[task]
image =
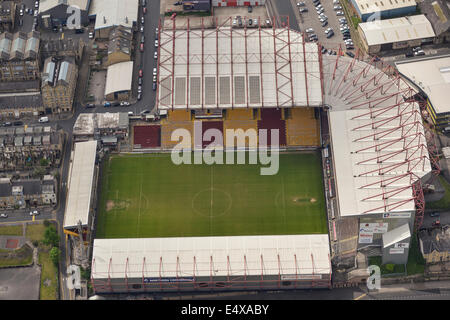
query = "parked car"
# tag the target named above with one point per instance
(154, 78)
(325, 23)
(350, 54)
(435, 214)
(7, 124)
(250, 9)
(18, 123)
(156, 43)
(268, 22)
(34, 213)
(155, 71)
(130, 113)
(140, 89)
(141, 47)
(139, 96)
(173, 16)
(339, 13)
(409, 54)
(91, 35)
(302, 10)
(141, 73)
(90, 105)
(21, 12)
(141, 29)
(79, 31)
(142, 20)
(107, 104)
(142, 39)
(144, 10)
(309, 30)
(337, 8)
(330, 34)
(300, 4)
(154, 86)
(155, 55)
(419, 53)
(124, 103)
(250, 22)
(146, 111)
(3, 215)
(43, 119)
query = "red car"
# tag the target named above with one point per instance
(144, 9)
(142, 47)
(141, 73)
(173, 16)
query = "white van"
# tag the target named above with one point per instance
(43, 119)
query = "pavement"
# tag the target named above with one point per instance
(20, 283)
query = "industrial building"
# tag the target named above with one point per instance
(19, 56)
(370, 10)
(431, 77)
(111, 13)
(197, 5)
(119, 78)
(99, 126)
(55, 13)
(120, 45)
(438, 13)
(61, 48)
(370, 131)
(397, 33)
(59, 82)
(435, 244)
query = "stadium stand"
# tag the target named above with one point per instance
(302, 128)
(240, 124)
(271, 119)
(239, 114)
(146, 136)
(179, 115)
(169, 127)
(211, 125)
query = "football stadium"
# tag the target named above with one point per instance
(352, 149)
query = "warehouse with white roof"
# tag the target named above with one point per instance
(119, 78)
(370, 10)
(397, 33)
(111, 13)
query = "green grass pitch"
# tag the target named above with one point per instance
(145, 196)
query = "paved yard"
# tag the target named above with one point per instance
(97, 86)
(19, 283)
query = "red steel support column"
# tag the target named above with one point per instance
(260, 66)
(160, 269)
(217, 62)
(290, 60)
(275, 61)
(173, 62)
(203, 67)
(187, 71)
(306, 72)
(158, 64)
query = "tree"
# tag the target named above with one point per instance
(51, 237)
(54, 255)
(44, 162)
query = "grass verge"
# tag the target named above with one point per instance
(49, 275)
(443, 203)
(11, 231)
(13, 258)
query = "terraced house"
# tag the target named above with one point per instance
(59, 81)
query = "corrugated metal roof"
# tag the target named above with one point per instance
(289, 255)
(369, 6)
(64, 71)
(397, 30)
(114, 13)
(80, 184)
(119, 77)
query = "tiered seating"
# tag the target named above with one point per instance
(240, 114)
(271, 119)
(240, 124)
(147, 136)
(303, 128)
(211, 125)
(169, 127)
(179, 115)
